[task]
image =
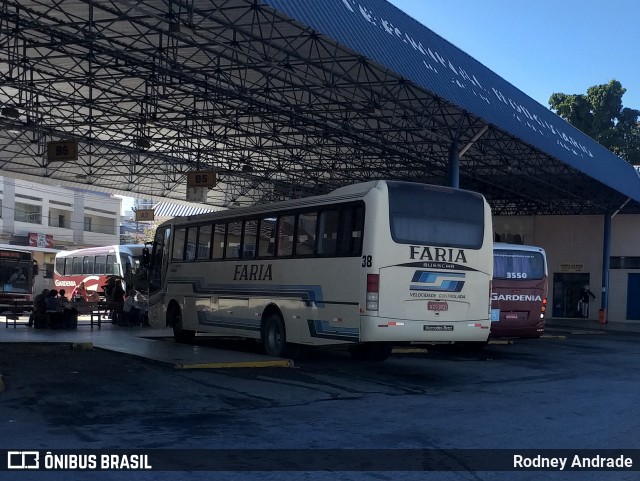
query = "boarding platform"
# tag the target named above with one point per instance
(153, 344)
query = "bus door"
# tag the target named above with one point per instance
(159, 258)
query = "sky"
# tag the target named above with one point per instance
(543, 46)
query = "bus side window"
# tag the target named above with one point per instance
(249, 236)
(87, 264)
(357, 230)
(286, 225)
(101, 265)
(76, 268)
(218, 241)
(327, 232)
(232, 245)
(60, 265)
(178, 244)
(112, 265)
(267, 237)
(204, 242)
(350, 230)
(306, 234)
(192, 234)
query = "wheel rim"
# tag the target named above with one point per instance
(274, 337)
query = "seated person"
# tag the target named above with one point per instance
(82, 294)
(69, 313)
(131, 311)
(54, 310)
(17, 276)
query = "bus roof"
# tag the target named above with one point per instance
(134, 249)
(516, 247)
(343, 194)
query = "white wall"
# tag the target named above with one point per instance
(578, 240)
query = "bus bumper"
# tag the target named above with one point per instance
(384, 329)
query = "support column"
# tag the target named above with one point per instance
(606, 261)
(8, 208)
(77, 219)
(454, 165)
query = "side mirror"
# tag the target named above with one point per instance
(146, 257)
(35, 268)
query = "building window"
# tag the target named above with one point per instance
(28, 213)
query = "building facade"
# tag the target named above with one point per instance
(574, 246)
(48, 218)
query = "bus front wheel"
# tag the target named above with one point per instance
(274, 336)
(181, 335)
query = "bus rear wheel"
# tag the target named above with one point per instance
(373, 351)
(181, 335)
(274, 337)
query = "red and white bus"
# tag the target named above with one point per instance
(17, 274)
(519, 290)
(94, 265)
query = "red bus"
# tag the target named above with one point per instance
(17, 274)
(519, 290)
(94, 265)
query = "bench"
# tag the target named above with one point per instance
(94, 309)
(13, 310)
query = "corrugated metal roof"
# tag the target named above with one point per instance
(166, 209)
(381, 32)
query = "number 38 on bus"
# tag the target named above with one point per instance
(368, 266)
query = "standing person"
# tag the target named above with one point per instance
(38, 317)
(585, 298)
(117, 302)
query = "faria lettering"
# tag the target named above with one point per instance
(439, 254)
(253, 272)
(515, 297)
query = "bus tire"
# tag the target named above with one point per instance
(274, 336)
(181, 335)
(373, 351)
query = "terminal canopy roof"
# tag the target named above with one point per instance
(282, 99)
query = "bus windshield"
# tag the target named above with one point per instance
(518, 264)
(16, 272)
(428, 215)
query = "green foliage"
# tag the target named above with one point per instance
(600, 115)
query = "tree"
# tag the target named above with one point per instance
(600, 115)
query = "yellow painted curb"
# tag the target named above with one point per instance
(409, 350)
(82, 346)
(222, 365)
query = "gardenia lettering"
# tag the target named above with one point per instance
(515, 297)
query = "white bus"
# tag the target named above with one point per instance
(93, 265)
(370, 265)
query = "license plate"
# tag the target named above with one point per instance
(437, 306)
(437, 328)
